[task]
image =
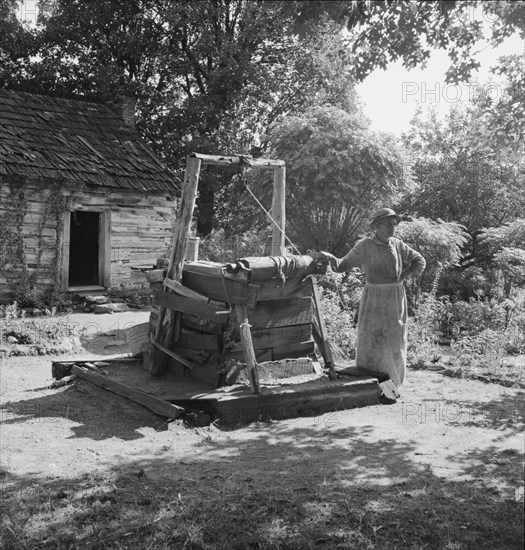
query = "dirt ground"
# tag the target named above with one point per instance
(450, 430)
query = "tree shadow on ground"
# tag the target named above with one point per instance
(98, 414)
(282, 485)
(505, 414)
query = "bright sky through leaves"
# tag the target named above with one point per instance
(390, 97)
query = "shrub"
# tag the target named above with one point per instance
(471, 282)
(339, 318)
(217, 247)
(348, 287)
(472, 317)
(423, 331)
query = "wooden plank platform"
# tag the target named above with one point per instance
(237, 405)
(240, 406)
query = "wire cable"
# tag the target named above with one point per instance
(271, 219)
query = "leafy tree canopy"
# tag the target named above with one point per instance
(209, 76)
(457, 178)
(337, 171)
(213, 75)
(381, 32)
(502, 110)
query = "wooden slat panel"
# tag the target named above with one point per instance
(201, 325)
(275, 289)
(200, 356)
(281, 313)
(193, 307)
(261, 355)
(171, 354)
(288, 351)
(198, 341)
(279, 336)
(181, 290)
(221, 289)
(302, 349)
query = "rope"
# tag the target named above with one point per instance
(226, 290)
(271, 219)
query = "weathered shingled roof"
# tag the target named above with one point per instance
(78, 142)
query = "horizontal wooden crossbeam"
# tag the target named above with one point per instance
(247, 160)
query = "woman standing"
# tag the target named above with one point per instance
(381, 326)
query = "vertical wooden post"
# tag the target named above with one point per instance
(247, 346)
(66, 241)
(104, 249)
(278, 211)
(323, 343)
(192, 249)
(168, 320)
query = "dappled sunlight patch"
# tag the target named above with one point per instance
(276, 531)
(378, 506)
(318, 512)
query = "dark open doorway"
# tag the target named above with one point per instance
(84, 249)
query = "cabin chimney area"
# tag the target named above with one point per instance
(125, 106)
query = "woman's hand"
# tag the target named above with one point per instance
(326, 258)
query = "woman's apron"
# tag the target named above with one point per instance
(381, 330)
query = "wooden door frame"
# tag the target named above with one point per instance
(104, 245)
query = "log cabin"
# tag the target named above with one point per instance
(85, 204)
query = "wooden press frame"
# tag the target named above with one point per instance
(168, 324)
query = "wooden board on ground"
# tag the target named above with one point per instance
(352, 372)
(158, 406)
(241, 406)
(59, 369)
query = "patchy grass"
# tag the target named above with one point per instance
(506, 370)
(47, 335)
(195, 506)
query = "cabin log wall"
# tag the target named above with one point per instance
(140, 231)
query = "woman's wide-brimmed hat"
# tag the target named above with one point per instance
(385, 213)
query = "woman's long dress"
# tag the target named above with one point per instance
(381, 327)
